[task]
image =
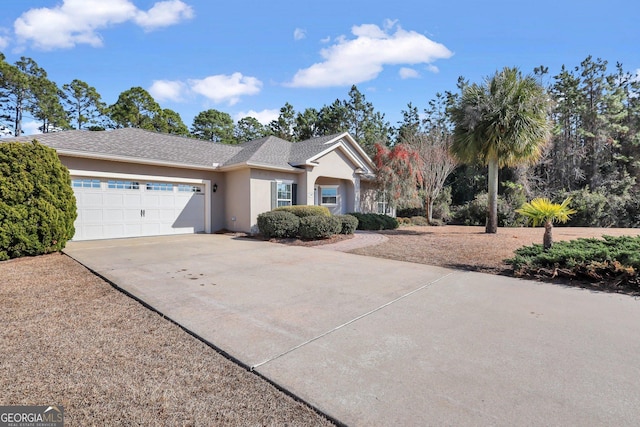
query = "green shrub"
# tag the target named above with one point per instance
(371, 221)
(475, 212)
(319, 227)
(349, 223)
(37, 204)
(614, 259)
(302, 211)
(419, 220)
(278, 224)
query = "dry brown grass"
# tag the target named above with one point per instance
(69, 338)
(470, 248)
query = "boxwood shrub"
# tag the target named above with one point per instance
(302, 211)
(349, 224)
(278, 224)
(319, 227)
(372, 221)
(37, 204)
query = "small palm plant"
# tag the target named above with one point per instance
(543, 211)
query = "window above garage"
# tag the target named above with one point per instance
(123, 185)
(159, 186)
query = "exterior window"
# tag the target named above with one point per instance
(284, 194)
(329, 195)
(159, 186)
(85, 183)
(382, 204)
(123, 185)
(189, 188)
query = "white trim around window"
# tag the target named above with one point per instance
(328, 195)
(284, 193)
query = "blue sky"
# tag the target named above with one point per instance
(249, 58)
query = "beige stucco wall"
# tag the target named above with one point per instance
(335, 168)
(238, 200)
(217, 199)
(261, 191)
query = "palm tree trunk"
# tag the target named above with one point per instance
(492, 208)
(548, 236)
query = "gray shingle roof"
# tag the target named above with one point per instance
(143, 145)
(268, 151)
(304, 150)
(137, 144)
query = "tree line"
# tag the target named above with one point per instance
(26, 91)
(592, 154)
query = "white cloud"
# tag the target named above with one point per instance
(31, 128)
(224, 88)
(78, 21)
(299, 34)
(168, 90)
(433, 68)
(325, 40)
(265, 116)
(360, 59)
(163, 14)
(4, 38)
(408, 73)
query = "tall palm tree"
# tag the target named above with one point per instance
(503, 122)
(543, 211)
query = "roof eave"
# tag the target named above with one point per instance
(263, 166)
(137, 160)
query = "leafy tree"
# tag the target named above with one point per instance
(44, 102)
(135, 108)
(213, 125)
(37, 207)
(398, 174)
(15, 93)
(169, 121)
(367, 126)
(248, 129)
(333, 118)
(283, 126)
(543, 211)
(410, 124)
(503, 122)
(306, 125)
(84, 103)
(432, 144)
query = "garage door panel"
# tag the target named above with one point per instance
(92, 215)
(107, 211)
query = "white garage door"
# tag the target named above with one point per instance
(113, 208)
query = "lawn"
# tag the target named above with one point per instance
(470, 248)
(69, 338)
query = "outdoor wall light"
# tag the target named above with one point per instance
(215, 187)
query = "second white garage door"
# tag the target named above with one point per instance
(114, 208)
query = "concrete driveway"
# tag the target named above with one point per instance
(379, 342)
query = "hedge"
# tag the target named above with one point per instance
(349, 224)
(613, 261)
(319, 227)
(372, 221)
(37, 204)
(278, 224)
(302, 211)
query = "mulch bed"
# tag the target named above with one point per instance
(68, 338)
